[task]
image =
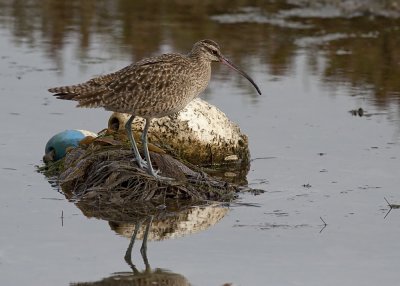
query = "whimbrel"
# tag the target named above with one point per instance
(151, 88)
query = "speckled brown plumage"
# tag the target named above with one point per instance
(153, 87)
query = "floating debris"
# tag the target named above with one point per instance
(392, 206)
(359, 112)
(57, 145)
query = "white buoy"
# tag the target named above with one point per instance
(200, 134)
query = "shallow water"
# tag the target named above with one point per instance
(313, 158)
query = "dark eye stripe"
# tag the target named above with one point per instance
(211, 51)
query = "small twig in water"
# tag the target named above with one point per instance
(391, 206)
(262, 158)
(387, 213)
(238, 204)
(325, 224)
(388, 203)
(62, 218)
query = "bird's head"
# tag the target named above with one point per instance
(209, 50)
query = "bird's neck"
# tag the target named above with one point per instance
(200, 70)
(199, 60)
(196, 55)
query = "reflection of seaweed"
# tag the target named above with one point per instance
(139, 278)
(171, 219)
(52, 169)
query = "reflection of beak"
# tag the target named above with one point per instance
(232, 66)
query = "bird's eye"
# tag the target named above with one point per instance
(214, 52)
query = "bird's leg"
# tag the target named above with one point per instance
(128, 253)
(128, 127)
(143, 249)
(150, 169)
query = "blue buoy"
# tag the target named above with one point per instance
(57, 145)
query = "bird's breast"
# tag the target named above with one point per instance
(201, 78)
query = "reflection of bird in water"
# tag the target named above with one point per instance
(148, 221)
(159, 227)
(185, 222)
(151, 88)
(188, 221)
(146, 277)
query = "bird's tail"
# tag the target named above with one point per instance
(70, 92)
(87, 96)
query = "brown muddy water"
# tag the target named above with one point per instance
(312, 156)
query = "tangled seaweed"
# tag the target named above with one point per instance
(108, 175)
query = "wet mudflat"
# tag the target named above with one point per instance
(313, 156)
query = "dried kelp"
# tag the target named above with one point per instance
(108, 175)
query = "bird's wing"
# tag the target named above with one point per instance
(148, 76)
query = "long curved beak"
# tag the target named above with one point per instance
(225, 61)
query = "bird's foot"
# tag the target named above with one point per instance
(161, 178)
(141, 163)
(155, 173)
